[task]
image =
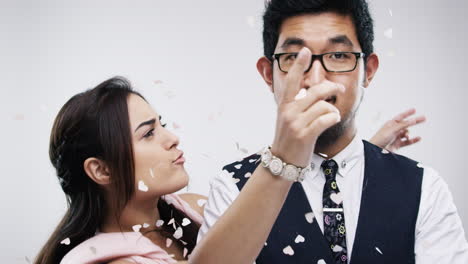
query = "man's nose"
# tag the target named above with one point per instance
(315, 75)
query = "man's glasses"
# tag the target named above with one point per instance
(331, 61)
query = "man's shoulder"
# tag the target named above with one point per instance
(241, 170)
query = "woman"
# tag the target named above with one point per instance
(119, 168)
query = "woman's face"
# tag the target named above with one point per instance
(159, 165)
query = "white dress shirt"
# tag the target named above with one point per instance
(439, 236)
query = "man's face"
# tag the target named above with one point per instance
(322, 33)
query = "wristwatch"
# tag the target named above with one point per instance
(279, 168)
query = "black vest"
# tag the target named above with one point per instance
(387, 218)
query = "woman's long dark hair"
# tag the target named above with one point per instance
(94, 123)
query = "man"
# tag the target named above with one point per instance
(351, 202)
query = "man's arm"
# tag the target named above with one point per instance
(440, 237)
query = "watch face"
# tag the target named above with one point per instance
(290, 172)
(266, 157)
(276, 166)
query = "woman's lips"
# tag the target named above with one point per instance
(180, 159)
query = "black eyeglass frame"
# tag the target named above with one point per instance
(358, 55)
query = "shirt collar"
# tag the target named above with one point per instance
(346, 158)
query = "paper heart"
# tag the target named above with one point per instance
(301, 94)
(288, 251)
(142, 186)
(248, 174)
(66, 241)
(159, 223)
(145, 225)
(136, 228)
(186, 222)
(185, 252)
(299, 239)
(178, 233)
(168, 242)
(336, 198)
(309, 217)
(337, 248)
(238, 166)
(201, 202)
(321, 261)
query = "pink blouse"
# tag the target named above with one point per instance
(130, 246)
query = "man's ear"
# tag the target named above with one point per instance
(97, 171)
(265, 68)
(371, 68)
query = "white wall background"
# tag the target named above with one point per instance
(195, 62)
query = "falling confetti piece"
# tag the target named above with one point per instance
(299, 239)
(389, 33)
(378, 250)
(171, 221)
(27, 259)
(235, 180)
(183, 242)
(310, 217)
(201, 202)
(238, 166)
(178, 233)
(384, 151)
(247, 175)
(136, 228)
(145, 225)
(19, 117)
(159, 223)
(266, 244)
(168, 242)
(142, 186)
(337, 248)
(301, 94)
(93, 249)
(172, 255)
(185, 252)
(391, 12)
(336, 198)
(323, 155)
(186, 222)
(321, 261)
(250, 21)
(151, 172)
(66, 241)
(288, 251)
(252, 160)
(420, 165)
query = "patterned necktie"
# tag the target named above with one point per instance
(333, 214)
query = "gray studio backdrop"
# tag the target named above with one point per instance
(195, 62)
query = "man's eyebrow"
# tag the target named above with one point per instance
(292, 42)
(341, 39)
(149, 122)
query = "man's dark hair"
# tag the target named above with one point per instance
(276, 11)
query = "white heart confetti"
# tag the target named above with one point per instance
(252, 160)
(336, 198)
(145, 225)
(186, 222)
(66, 241)
(136, 228)
(248, 174)
(185, 252)
(235, 180)
(178, 233)
(391, 12)
(159, 223)
(299, 239)
(321, 261)
(310, 217)
(201, 202)
(389, 33)
(301, 94)
(420, 165)
(238, 166)
(288, 251)
(337, 248)
(384, 151)
(168, 242)
(378, 250)
(142, 187)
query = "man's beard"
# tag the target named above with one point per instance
(331, 135)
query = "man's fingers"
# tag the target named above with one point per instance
(411, 122)
(321, 123)
(319, 92)
(318, 109)
(295, 75)
(405, 114)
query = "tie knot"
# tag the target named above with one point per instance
(330, 168)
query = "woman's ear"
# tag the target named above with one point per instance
(265, 68)
(97, 171)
